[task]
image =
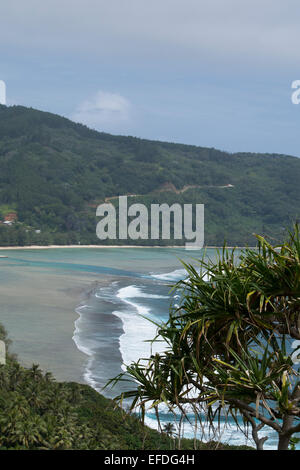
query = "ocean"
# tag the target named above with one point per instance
(112, 292)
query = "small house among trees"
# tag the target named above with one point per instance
(10, 217)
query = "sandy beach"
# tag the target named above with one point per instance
(47, 247)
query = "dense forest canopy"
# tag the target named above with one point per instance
(54, 172)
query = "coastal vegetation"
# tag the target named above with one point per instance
(54, 173)
(232, 345)
(38, 413)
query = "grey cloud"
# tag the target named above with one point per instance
(264, 30)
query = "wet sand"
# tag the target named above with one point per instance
(47, 301)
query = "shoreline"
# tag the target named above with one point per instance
(48, 247)
(109, 346)
(49, 304)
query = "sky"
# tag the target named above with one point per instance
(213, 73)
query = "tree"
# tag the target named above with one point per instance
(169, 430)
(228, 344)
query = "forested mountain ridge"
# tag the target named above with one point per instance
(54, 171)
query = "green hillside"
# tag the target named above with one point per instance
(54, 172)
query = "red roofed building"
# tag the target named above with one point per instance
(10, 217)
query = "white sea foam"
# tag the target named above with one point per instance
(134, 343)
(226, 434)
(176, 275)
(87, 348)
(136, 292)
(202, 432)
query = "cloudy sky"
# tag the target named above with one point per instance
(214, 73)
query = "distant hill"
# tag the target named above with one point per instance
(54, 172)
